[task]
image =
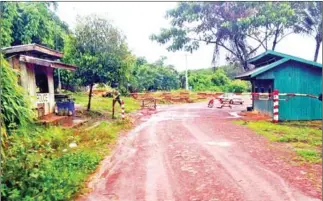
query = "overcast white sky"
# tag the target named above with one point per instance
(138, 20)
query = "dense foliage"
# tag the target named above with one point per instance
(40, 165)
(152, 77)
(15, 106)
(31, 22)
(232, 25)
(207, 80)
(99, 50)
(311, 23)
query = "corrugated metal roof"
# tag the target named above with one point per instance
(254, 72)
(272, 59)
(279, 55)
(248, 73)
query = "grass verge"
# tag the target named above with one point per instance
(104, 104)
(39, 164)
(304, 137)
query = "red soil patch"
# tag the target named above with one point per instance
(254, 116)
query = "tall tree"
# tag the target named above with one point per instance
(271, 22)
(100, 51)
(160, 61)
(141, 61)
(197, 22)
(311, 23)
(227, 25)
(31, 22)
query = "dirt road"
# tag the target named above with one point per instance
(194, 153)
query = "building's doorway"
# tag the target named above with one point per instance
(41, 79)
(263, 103)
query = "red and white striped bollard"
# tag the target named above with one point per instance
(276, 106)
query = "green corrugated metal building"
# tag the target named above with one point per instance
(288, 74)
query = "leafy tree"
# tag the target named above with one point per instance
(207, 80)
(228, 26)
(141, 61)
(151, 77)
(8, 11)
(68, 80)
(271, 22)
(238, 86)
(311, 23)
(219, 78)
(160, 61)
(231, 70)
(100, 51)
(31, 22)
(182, 79)
(213, 23)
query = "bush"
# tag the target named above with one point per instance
(39, 165)
(15, 107)
(238, 86)
(36, 168)
(216, 81)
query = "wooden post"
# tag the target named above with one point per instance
(90, 97)
(113, 104)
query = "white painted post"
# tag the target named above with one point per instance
(276, 106)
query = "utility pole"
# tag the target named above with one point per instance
(186, 77)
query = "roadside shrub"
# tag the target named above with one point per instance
(238, 86)
(36, 168)
(15, 107)
(219, 78)
(216, 81)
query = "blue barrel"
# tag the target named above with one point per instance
(66, 106)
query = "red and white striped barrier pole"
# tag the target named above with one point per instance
(276, 105)
(122, 108)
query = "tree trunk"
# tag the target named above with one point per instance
(275, 39)
(90, 96)
(317, 49)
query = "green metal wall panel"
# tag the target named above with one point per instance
(264, 106)
(295, 77)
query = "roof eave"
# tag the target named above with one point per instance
(32, 47)
(243, 78)
(64, 66)
(46, 63)
(257, 57)
(279, 54)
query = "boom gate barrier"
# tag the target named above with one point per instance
(275, 97)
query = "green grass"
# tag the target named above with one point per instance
(304, 137)
(309, 155)
(104, 104)
(38, 163)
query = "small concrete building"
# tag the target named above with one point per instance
(35, 64)
(288, 74)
